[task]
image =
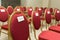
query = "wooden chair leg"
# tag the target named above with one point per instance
(29, 37)
(41, 25)
(31, 27)
(34, 33)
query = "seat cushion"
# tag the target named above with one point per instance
(49, 35)
(5, 27)
(55, 28)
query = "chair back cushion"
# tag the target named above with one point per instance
(19, 27)
(48, 16)
(3, 14)
(10, 9)
(36, 20)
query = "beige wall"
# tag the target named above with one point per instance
(55, 4)
(32, 3)
(0, 2)
(45, 3)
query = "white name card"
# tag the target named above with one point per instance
(37, 14)
(18, 9)
(39, 8)
(20, 18)
(48, 12)
(30, 9)
(2, 10)
(58, 11)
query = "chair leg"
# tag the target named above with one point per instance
(35, 33)
(29, 37)
(31, 27)
(41, 25)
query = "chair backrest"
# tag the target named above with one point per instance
(29, 11)
(36, 20)
(48, 16)
(10, 9)
(51, 10)
(57, 15)
(40, 11)
(18, 26)
(24, 8)
(3, 14)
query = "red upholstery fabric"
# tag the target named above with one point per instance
(51, 10)
(3, 15)
(57, 15)
(36, 20)
(40, 11)
(10, 9)
(55, 28)
(19, 30)
(49, 35)
(48, 17)
(58, 24)
(24, 8)
(30, 11)
(5, 27)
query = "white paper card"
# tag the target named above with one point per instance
(37, 14)
(39, 8)
(20, 18)
(2, 10)
(48, 12)
(30, 9)
(58, 11)
(18, 9)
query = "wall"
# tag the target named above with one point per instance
(32, 3)
(0, 2)
(55, 4)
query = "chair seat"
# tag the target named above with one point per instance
(49, 35)
(55, 28)
(5, 27)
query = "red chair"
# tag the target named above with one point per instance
(18, 27)
(55, 28)
(51, 10)
(40, 11)
(21, 8)
(48, 17)
(36, 21)
(10, 9)
(24, 8)
(49, 35)
(4, 17)
(57, 16)
(29, 11)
